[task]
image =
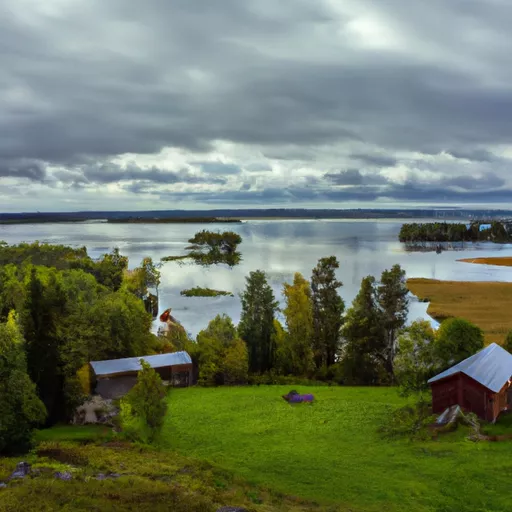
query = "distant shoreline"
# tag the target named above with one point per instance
(431, 214)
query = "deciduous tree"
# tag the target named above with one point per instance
(416, 360)
(299, 322)
(458, 339)
(20, 407)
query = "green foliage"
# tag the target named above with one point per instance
(70, 314)
(328, 308)
(452, 232)
(299, 322)
(410, 422)
(209, 248)
(507, 345)
(21, 409)
(456, 340)
(222, 355)
(283, 357)
(256, 325)
(416, 360)
(393, 300)
(364, 347)
(197, 291)
(141, 279)
(121, 327)
(146, 400)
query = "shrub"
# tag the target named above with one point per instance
(145, 404)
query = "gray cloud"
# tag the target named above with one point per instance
(218, 167)
(293, 81)
(114, 173)
(376, 160)
(33, 171)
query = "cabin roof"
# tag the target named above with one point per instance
(491, 367)
(132, 364)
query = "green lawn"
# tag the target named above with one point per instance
(331, 451)
(73, 433)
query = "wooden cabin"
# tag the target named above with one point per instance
(115, 377)
(480, 384)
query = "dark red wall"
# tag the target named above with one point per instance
(462, 390)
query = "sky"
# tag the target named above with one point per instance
(204, 104)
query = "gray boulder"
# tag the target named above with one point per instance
(64, 475)
(22, 470)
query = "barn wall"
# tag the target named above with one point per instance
(117, 385)
(462, 390)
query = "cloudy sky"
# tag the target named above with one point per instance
(162, 104)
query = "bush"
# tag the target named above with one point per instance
(144, 407)
(411, 421)
(458, 339)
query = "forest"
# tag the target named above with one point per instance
(494, 231)
(60, 309)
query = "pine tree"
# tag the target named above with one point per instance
(364, 349)
(328, 308)
(394, 305)
(256, 326)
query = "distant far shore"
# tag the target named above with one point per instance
(238, 215)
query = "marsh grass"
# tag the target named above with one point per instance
(499, 261)
(486, 304)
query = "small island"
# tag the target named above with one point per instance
(432, 234)
(197, 291)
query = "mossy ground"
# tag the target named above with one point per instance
(150, 480)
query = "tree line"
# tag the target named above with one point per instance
(318, 340)
(454, 232)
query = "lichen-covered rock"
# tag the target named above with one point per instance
(232, 509)
(22, 470)
(95, 410)
(64, 475)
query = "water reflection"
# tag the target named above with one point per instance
(281, 248)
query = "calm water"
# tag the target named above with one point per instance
(278, 247)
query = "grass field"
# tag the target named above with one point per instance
(501, 262)
(331, 452)
(486, 304)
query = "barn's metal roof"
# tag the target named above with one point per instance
(491, 367)
(132, 364)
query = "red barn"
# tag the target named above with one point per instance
(480, 384)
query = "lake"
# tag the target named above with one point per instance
(280, 247)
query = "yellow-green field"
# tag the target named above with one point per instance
(501, 262)
(486, 304)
